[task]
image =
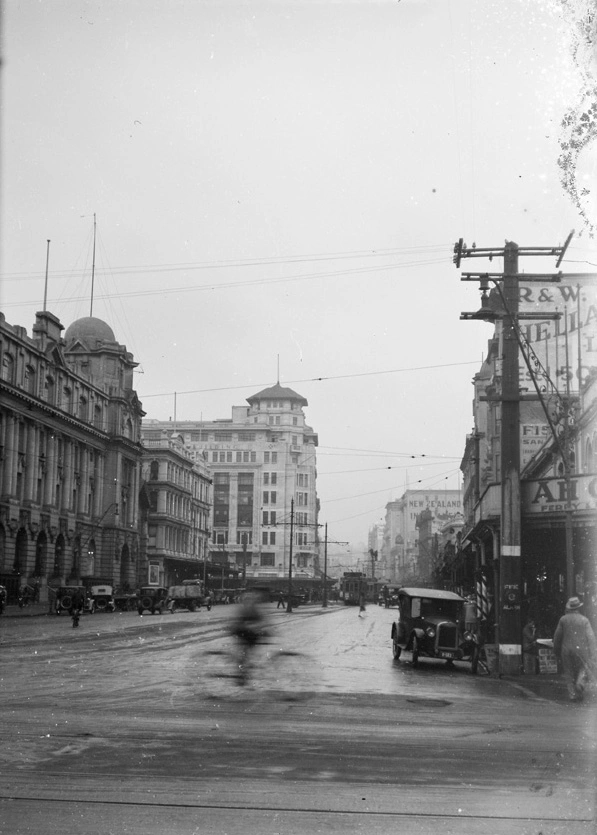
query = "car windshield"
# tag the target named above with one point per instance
(433, 606)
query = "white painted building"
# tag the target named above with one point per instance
(264, 468)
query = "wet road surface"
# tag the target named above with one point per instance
(138, 725)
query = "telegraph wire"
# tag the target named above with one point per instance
(161, 291)
(242, 262)
(309, 380)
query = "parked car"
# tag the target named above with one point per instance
(101, 599)
(64, 598)
(152, 599)
(430, 624)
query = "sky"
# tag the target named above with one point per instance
(277, 190)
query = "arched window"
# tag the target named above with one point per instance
(154, 471)
(82, 408)
(97, 416)
(30, 379)
(66, 398)
(128, 429)
(8, 368)
(50, 390)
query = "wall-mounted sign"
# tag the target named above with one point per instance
(551, 495)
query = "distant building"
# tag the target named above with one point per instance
(70, 456)
(175, 510)
(411, 524)
(263, 462)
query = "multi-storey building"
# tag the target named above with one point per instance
(69, 456)
(409, 550)
(558, 467)
(175, 510)
(264, 467)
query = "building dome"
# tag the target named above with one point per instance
(277, 392)
(89, 330)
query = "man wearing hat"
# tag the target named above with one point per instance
(574, 643)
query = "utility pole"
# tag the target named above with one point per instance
(289, 604)
(509, 625)
(325, 565)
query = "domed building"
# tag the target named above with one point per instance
(70, 425)
(265, 506)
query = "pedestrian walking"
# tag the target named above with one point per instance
(575, 645)
(281, 601)
(362, 607)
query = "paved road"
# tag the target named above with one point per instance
(137, 725)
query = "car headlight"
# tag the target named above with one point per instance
(430, 631)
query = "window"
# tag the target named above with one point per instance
(271, 420)
(30, 379)
(268, 559)
(274, 457)
(273, 496)
(66, 398)
(97, 417)
(266, 497)
(245, 457)
(264, 538)
(272, 517)
(228, 457)
(82, 408)
(274, 478)
(272, 537)
(266, 478)
(222, 458)
(242, 535)
(239, 456)
(214, 457)
(253, 457)
(277, 420)
(266, 457)
(8, 368)
(50, 391)
(265, 518)
(295, 421)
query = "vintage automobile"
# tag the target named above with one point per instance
(63, 599)
(391, 596)
(101, 599)
(152, 599)
(430, 624)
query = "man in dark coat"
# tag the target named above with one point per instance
(574, 643)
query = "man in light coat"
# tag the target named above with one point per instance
(574, 643)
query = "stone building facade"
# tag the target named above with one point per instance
(175, 510)
(264, 467)
(70, 456)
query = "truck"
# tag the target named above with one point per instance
(191, 595)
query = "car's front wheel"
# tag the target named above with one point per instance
(415, 652)
(396, 649)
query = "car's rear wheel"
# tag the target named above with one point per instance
(396, 648)
(415, 652)
(146, 602)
